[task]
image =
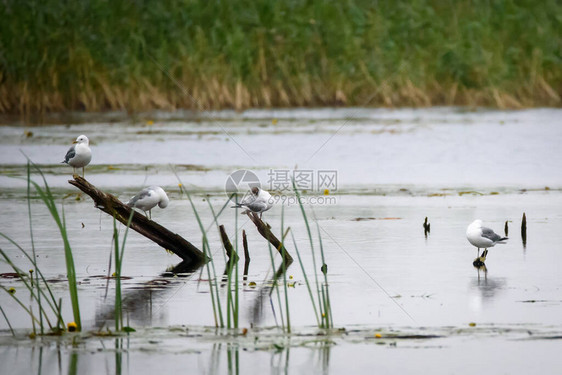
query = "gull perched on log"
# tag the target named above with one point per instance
(79, 155)
(482, 237)
(258, 201)
(148, 198)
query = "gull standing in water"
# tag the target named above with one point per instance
(482, 237)
(258, 201)
(148, 198)
(79, 155)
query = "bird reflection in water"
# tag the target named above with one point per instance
(487, 286)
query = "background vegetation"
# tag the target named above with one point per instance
(102, 54)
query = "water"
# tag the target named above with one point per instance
(393, 169)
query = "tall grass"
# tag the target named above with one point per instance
(96, 54)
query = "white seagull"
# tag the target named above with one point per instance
(482, 237)
(148, 198)
(79, 155)
(258, 201)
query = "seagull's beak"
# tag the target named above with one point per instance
(75, 142)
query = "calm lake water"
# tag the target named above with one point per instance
(386, 170)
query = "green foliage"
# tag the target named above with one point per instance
(100, 54)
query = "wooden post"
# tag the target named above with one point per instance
(246, 255)
(232, 256)
(524, 229)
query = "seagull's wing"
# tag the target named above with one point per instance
(247, 199)
(257, 206)
(491, 235)
(142, 194)
(70, 154)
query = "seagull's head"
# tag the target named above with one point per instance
(82, 139)
(477, 223)
(164, 201)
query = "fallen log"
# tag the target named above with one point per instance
(153, 231)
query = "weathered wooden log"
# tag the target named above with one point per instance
(246, 255)
(232, 256)
(265, 231)
(153, 231)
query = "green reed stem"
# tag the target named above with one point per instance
(49, 201)
(21, 273)
(215, 298)
(28, 170)
(274, 286)
(325, 292)
(283, 255)
(29, 312)
(118, 308)
(7, 321)
(306, 281)
(51, 301)
(308, 231)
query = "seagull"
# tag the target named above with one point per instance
(482, 237)
(148, 198)
(258, 201)
(79, 155)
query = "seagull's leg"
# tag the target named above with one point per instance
(477, 252)
(83, 172)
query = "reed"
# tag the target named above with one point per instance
(7, 321)
(275, 286)
(48, 199)
(97, 55)
(324, 312)
(285, 290)
(119, 252)
(37, 286)
(232, 306)
(209, 265)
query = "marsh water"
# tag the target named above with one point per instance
(369, 178)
